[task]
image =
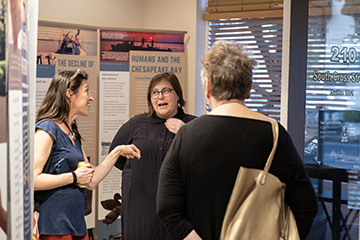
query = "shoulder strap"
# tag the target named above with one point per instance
(275, 131)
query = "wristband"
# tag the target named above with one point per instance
(74, 177)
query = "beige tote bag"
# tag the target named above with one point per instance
(256, 210)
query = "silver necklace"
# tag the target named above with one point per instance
(71, 133)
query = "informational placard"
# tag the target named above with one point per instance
(114, 111)
(65, 48)
(3, 128)
(18, 112)
(339, 138)
(128, 61)
(144, 65)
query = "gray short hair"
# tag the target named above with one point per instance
(229, 70)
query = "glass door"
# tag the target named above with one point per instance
(332, 124)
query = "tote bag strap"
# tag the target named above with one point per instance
(275, 131)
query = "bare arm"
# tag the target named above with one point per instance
(128, 151)
(45, 181)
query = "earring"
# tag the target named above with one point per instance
(70, 99)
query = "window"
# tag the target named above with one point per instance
(332, 124)
(333, 79)
(263, 38)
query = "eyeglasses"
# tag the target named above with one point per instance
(165, 92)
(77, 72)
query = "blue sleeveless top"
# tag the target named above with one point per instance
(62, 209)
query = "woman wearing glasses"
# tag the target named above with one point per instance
(57, 136)
(152, 132)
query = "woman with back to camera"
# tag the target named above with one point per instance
(62, 206)
(196, 183)
(152, 133)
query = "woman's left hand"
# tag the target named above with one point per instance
(130, 151)
(174, 124)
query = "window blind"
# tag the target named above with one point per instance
(262, 37)
(225, 9)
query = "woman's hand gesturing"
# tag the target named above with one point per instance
(130, 151)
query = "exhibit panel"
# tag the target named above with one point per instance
(128, 61)
(3, 128)
(119, 74)
(61, 48)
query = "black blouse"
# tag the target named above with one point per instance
(140, 177)
(200, 169)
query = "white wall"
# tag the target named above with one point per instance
(201, 49)
(104, 13)
(134, 14)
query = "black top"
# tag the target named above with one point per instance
(140, 177)
(200, 169)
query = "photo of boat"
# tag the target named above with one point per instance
(115, 46)
(53, 41)
(127, 46)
